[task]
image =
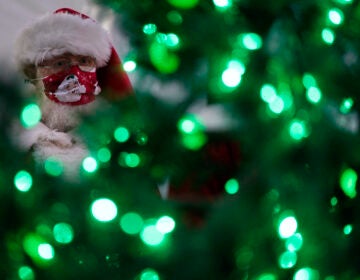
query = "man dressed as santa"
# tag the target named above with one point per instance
(70, 60)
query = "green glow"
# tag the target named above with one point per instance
(231, 77)
(297, 129)
(129, 66)
(46, 251)
(121, 134)
(266, 276)
(104, 210)
(90, 164)
(194, 141)
(287, 227)
(268, 93)
(165, 224)
(232, 186)
(306, 273)
(23, 181)
(149, 274)
(334, 201)
(30, 115)
(328, 36)
(172, 41)
(277, 105)
(348, 181)
(251, 41)
(346, 105)
(53, 166)
(142, 138)
(131, 223)
(344, 2)
(287, 259)
(26, 273)
(174, 17)
(149, 28)
(104, 154)
(313, 95)
(189, 124)
(294, 242)
(151, 236)
(336, 16)
(222, 3)
(184, 4)
(308, 81)
(132, 160)
(63, 233)
(162, 59)
(348, 229)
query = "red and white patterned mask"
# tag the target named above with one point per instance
(72, 86)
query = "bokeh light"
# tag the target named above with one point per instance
(104, 154)
(313, 94)
(287, 227)
(165, 224)
(294, 242)
(26, 273)
(53, 166)
(297, 129)
(328, 36)
(121, 134)
(30, 115)
(129, 66)
(104, 210)
(306, 273)
(346, 105)
(23, 181)
(131, 223)
(149, 274)
(151, 236)
(90, 164)
(63, 233)
(232, 186)
(251, 41)
(149, 28)
(348, 179)
(336, 16)
(184, 4)
(46, 251)
(287, 260)
(347, 229)
(231, 76)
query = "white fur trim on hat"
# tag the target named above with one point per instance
(56, 34)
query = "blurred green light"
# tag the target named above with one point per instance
(251, 41)
(26, 273)
(346, 105)
(149, 274)
(121, 134)
(294, 242)
(53, 166)
(266, 276)
(189, 124)
(231, 77)
(287, 259)
(328, 36)
(194, 141)
(104, 154)
(232, 186)
(336, 16)
(222, 3)
(129, 66)
(277, 105)
(132, 160)
(334, 201)
(63, 233)
(344, 2)
(30, 115)
(163, 60)
(348, 181)
(308, 81)
(131, 223)
(287, 227)
(172, 40)
(348, 229)
(104, 210)
(297, 129)
(313, 94)
(23, 181)
(306, 274)
(165, 224)
(90, 164)
(46, 251)
(184, 4)
(174, 17)
(149, 28)
(151, 236)
(268, 93)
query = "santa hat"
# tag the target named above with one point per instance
(68, 31)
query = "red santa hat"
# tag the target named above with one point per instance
(68, 31)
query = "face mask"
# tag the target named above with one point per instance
(72, 87)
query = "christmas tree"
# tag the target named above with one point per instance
(237, 160)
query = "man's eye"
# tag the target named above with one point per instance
(60, 63)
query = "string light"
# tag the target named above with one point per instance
(46, 251)
(151, 236)
(328, 36)
(287, 227)
(336, 16)
(184, 4)
(63, 233)
(348, 181)
(287, 260)
(90, 164)
(165, 224)
(26, 273)
(121, 134)
(131, 223)
(149, 274)
(232, 186)
(23, 181)
(30, 115)
(53, 166)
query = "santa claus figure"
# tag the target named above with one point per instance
(70, 60)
